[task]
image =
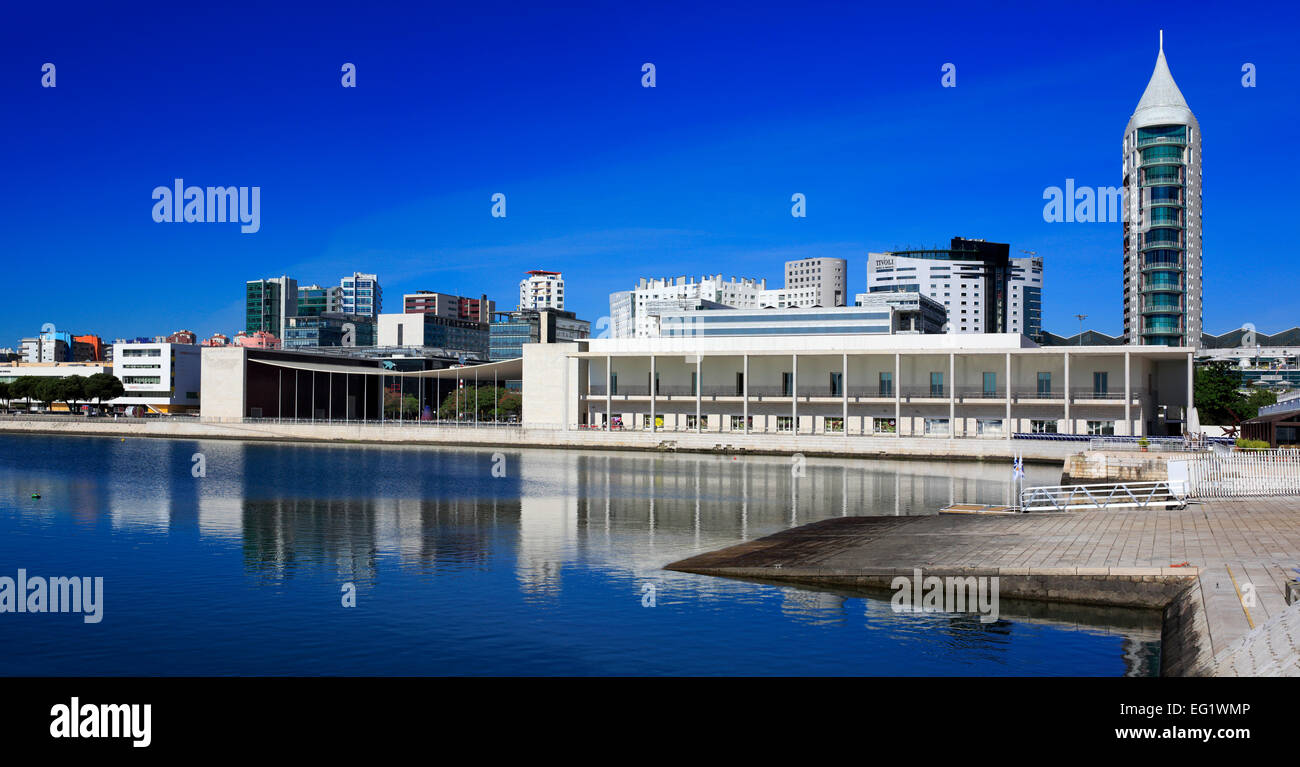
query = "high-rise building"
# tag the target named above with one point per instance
(446, 305)
(981, 286)
(509, 331)
(360, 294)
(633, 313)
(541, 290)
(268, 303)
(314, 300)
(1162, 227)
(811, 282)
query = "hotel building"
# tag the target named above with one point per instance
(982, 287)
(541, 290)
(1162, 228)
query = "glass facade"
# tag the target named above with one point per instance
(1162, 300)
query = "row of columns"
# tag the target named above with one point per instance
(844, 391)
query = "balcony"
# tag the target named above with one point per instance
(1152, 141)
(1154, 310)
(966, 393)
(1032, 394)
(1161, 181)
(1162, 244)
(1153, 161)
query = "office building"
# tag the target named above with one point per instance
(983, 288)
(634, 313)
(269, 303)
(811, 282)
(361, 294)
(541, 290)
(912, 312)
(1162, 227)
(446, 305)
(509, 331)
(429, 330)
(163, 377)
(329, 329)
(314, 300)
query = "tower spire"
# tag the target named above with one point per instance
(1162, 41)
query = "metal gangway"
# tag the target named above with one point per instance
(1125, 495)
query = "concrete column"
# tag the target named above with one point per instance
(1128, 395)
(609, 394)
(898, 395)
(1191, 371)
(564, 414)
(794, 390)
(1007, 385)
(699, 389)
(744, 391)
(952, 395)
(653, 428)
(1069, 428)
(844, 390)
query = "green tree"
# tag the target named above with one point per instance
(482, 401)
(70, 389)
(1255, 399)
(1214, 390)
(4, 392)
(102, 386)
(24, 388)
(47, 391)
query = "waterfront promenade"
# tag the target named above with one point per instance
(1217, 570)
(838, 445)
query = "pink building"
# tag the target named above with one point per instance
(258, 340)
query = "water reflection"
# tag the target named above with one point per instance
(562, 526)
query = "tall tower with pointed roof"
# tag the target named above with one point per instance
(1162, 228)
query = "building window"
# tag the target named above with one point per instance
(740, 422)
(1042, 427)
(835, 424)
(936, 427)
(837, 384)
(785, 423)
(1044, 384)
(1101, 428)
(988, 427)
(787, 384)
(990, 385)
(886, 384)
(740, 384)
(936, 384)
(884, 425)
(613, 383)
(1099, 383)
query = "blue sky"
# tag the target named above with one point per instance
(605, 180)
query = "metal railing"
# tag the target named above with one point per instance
(1243, 473)
(1127, 495)
(1160, 444)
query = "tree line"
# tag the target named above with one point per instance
(66, 389)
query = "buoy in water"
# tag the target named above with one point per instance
(36, 495)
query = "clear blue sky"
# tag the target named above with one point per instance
(605, 180)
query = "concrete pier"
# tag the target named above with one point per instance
(1217, 570)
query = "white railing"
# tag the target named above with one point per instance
(1128, 495)
(1244, 473)
(1158, 444)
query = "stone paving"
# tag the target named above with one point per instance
(1241, 552)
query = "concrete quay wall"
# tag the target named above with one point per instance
(999, 450)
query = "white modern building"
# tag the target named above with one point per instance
(634, 313)
(361, 294)
(541, 290)
(912, 312)
(811, 282)
(949, 386)
(1162, 227)
(159, 376)
(983, 288)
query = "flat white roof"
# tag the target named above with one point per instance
(929, 343)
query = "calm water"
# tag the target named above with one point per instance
(460, 572)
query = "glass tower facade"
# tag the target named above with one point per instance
(1162, 227)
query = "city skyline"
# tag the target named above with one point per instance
(610, 180)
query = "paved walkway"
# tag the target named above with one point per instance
(1240, 552)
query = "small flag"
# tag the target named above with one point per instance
(1018, 468)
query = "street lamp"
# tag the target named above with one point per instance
(1081, 318)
